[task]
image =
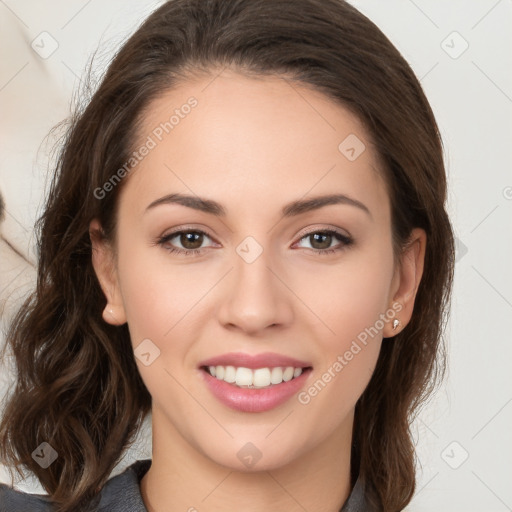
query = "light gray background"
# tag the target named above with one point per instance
(464, 442)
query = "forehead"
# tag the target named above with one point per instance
(249, 141)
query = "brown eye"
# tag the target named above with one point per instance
(185, 242)
(191, 239)
(320, 240)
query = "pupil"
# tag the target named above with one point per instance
(191, 240)
(326, 240)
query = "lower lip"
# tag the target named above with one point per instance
(254, 400)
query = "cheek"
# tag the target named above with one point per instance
(161, 304)
(157, 297)
(351, 301)
(347, 298)
(350, 354)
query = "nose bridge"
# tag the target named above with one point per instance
(255, 298)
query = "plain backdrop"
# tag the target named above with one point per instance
(461, 51)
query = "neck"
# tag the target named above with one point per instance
(183, 479)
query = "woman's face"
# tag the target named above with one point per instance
(284, 260)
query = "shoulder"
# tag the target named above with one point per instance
(360, 499)
(120, 493)
(12, 500)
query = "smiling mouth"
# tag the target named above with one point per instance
(257, 378)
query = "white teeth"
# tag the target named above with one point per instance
(219, 372)
(243, 377)
(288, 374)
(230, 374)
(261, 378)
(277, 375)
(258, 378)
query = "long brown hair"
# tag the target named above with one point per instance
(78, 387)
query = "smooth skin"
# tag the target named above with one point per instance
(254, 145)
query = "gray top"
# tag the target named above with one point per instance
(121, 493)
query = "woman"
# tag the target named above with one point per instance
(247, 236)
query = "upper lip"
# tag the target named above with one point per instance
(263, 360)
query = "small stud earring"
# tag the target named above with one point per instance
(396, 323)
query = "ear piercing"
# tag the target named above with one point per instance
(396, 323)
(112, 315)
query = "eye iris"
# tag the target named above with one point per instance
(191, 240)
(325, 240)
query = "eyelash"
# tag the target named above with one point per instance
(346, 241)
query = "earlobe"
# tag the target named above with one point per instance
(104, 267)
(407, 279)
(112, 317)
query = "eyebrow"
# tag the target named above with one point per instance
(290, 210)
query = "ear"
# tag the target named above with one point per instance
(103, 261)
(406, 281)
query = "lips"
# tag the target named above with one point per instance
(254, 398)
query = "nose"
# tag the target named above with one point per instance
(255, 297)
